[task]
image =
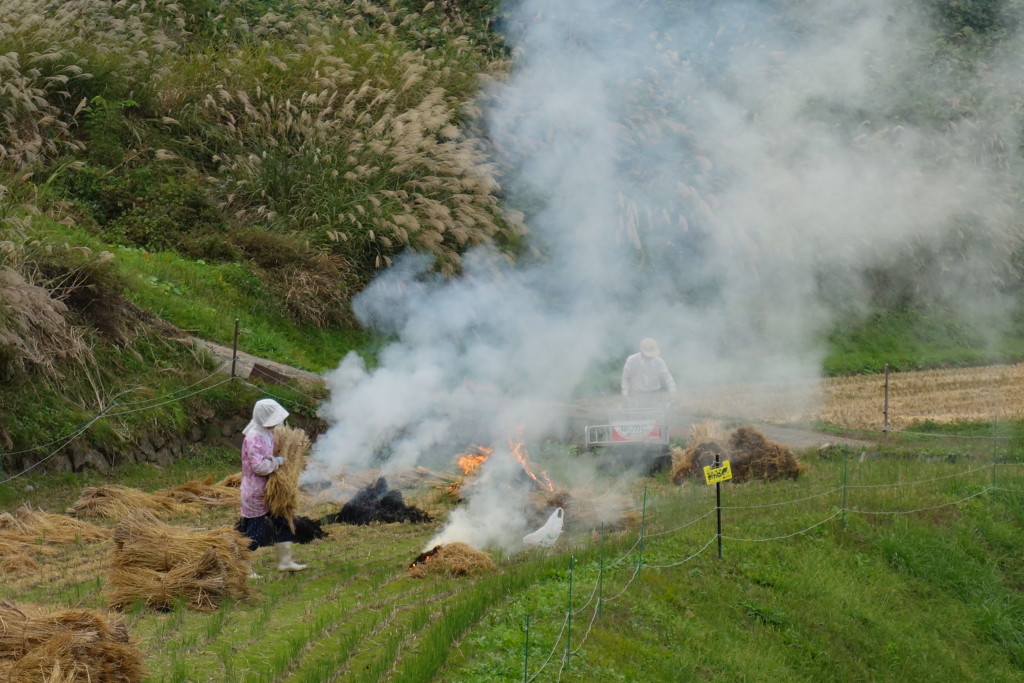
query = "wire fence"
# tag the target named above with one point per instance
(831, 505)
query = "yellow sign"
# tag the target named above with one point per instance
(713, 475)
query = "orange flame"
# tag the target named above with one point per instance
(470, 462)
(518, 449)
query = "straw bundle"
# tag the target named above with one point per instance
(32, 524)
(232, 480)
(200, 583)
(17, 563)
(756, 457)
(117, 502)
(690, 462)
(158, 563)
(67, 646)
(282, 496)
(204, 492)
(453, 559)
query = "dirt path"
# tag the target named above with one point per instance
(589, 412)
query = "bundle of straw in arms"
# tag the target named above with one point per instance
(71, 645)
(282, 494)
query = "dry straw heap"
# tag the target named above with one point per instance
(452, 559)
(750, 454)
(159, 565)
(282, 496)
(71, 646)
(206, 493)
(117, 502)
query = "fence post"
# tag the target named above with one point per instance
(718, 506)
(643, 522)
(885, 409)
(846, 465)
(568, 628)
(600, 573)
(234, 350)
(526, 652)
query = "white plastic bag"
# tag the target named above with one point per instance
(549, 533)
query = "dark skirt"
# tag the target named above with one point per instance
(265, 530)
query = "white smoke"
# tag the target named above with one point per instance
(713, 175)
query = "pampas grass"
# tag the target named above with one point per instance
(68, 646)
(282, 495)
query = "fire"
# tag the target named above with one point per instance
(470, 462)
(518, 449)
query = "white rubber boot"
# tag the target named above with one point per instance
(284, 558)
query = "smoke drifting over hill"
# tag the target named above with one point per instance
(723, 177)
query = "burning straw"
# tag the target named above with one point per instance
(117, 502)
(159, 564)
(282, 495)
(71, 646)
(453, 559)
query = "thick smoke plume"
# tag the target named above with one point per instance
(723, 177)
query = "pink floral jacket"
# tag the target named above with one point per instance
(257, 462)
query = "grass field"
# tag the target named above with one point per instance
(887, 568)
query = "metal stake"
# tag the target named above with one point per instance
(234, 350)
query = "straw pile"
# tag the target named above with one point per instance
(282, 496)
(584, 511)
(232, 480)
(31, 525)
(159, 564)
(750, 454)
(117, 502)
(453, 559)
(204, 492)
(758, 458)
(71, 646)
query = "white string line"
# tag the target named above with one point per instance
(779, 538)
(919, 481)
(907, 512)
(160, 398)
(174, 400)
(785, 502)
(616, 562)
(589, 600)
(91, 420)
(958, 436)
(685, 559)
(691, 522)
(554, 647)
(280, 398)
(70, 438)
(636, 571)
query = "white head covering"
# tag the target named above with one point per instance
(649, 348)
(266, 414)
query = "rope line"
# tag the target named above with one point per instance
(932, 507)
(779, 538)
(690, 523)
(785, 502)
(685, 559)
(920, 481)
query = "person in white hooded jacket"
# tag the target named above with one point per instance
(258, 462)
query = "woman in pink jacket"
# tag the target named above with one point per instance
(258, 462)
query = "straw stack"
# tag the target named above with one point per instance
(204, 492)
(453, 559)
(31, 525)
(282, 495)
(159, 564)
(70, 646)
(117, 502)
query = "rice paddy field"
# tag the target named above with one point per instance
(888, 567)
(980, 394)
